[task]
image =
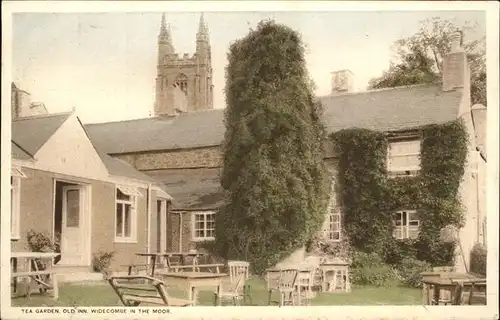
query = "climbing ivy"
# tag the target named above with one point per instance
(369, 197)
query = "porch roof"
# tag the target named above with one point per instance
(192, 189)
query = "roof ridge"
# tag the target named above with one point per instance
(411, 86)
(41, 116)
(120, 121)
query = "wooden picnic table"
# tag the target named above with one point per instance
(45, 279)
(432, 287)
(155, 257)
(191, 281)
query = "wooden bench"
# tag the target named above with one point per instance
(145, 290)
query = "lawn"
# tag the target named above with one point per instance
(101, 294)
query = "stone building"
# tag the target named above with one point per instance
(183, 83)
(184, 151)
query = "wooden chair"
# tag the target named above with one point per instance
(286, 287)
(145, 290)
(235, 291)
(305, 283)
(235, 269)
(460, 293)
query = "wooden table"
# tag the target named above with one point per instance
(182, 257)
(45, 279)
(191, 281)
(338, 269)
(153, 256)
(432, 287)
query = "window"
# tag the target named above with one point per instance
(406, 224)
(125, 221)
(403, 158)
(182, 82)
(332, 224)
(203, 226)
(15, 203)
(333, 231)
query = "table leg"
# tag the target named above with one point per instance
(153, 261)
(425, 294)
(218, 295)
(437, 291)
(55, 286)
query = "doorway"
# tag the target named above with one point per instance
(71, 215)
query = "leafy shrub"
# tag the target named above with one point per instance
(478, 259)
(398, 250)
(40, 242)
(370, 269)
(410, 271)
(101, 261)
(319, 245)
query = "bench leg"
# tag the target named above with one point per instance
(55, 287)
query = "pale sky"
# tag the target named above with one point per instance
(104, 64)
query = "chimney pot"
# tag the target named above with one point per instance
(342, 82)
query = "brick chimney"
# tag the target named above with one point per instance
(342, 82)
(455, 67)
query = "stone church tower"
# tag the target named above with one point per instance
(183, 84)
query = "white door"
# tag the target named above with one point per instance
(72, 240)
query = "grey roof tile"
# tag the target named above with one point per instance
(192, 189)
(121, 168)
(19, 153)
(31, 133)
(382, 110)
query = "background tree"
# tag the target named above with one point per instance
(273, 173)
(419, 58)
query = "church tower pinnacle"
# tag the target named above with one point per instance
(183, 83)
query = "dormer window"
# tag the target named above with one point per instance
(403, 158)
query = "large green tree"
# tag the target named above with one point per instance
(274, 175)
(419, 58)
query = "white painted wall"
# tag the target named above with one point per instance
(468, 194)
(70, 152)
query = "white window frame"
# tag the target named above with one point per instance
(330, 228)
(133, 214)
(193, 225)
(15, 207)
(406, 171)
(405, 229)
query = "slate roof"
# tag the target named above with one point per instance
(198, 129)
(121, 168)
(192, 189)
(391, 109)
(383, 110)
(31, 133)
(18, 153)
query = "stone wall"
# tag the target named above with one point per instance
(209, 157)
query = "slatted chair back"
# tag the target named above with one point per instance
(236, 268)
(287, 280)
(143, 290)
(237, 285)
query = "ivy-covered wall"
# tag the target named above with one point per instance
(370, 198)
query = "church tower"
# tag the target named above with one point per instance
(183, 84)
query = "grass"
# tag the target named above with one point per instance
(101, 294)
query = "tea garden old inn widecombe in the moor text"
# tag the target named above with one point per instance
(152, 185)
